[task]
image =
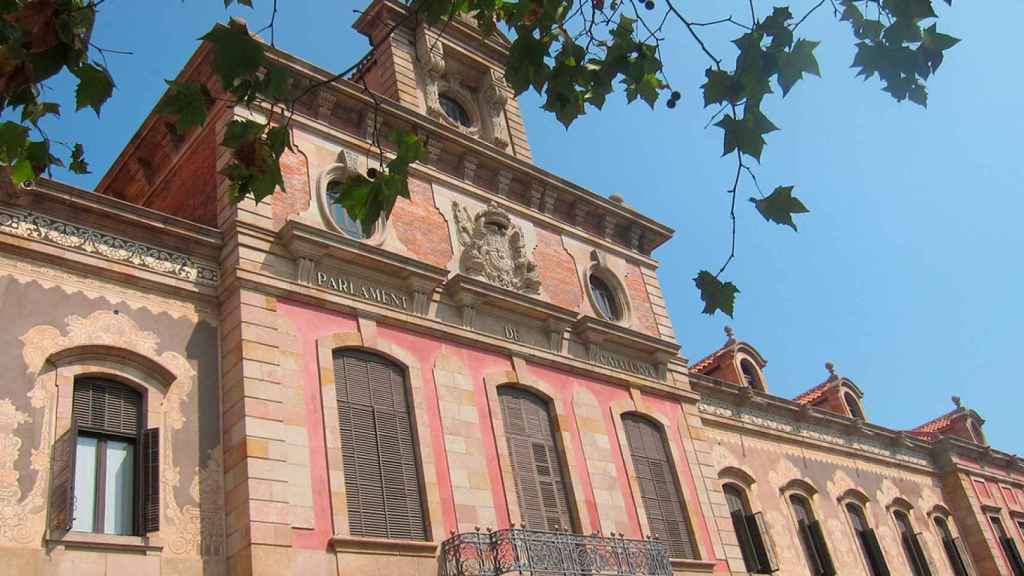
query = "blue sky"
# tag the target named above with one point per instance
(907, 271)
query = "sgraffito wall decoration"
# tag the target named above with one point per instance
(69, 324)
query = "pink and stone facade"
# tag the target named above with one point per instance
(226, 318)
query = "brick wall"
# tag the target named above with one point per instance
(419, 225)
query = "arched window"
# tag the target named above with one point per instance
(605, 299)
(382, 482)
(853, 406)
(751, 375)
(105, 475)
(751, 532)
(663, 503)
(812, 538)
(1009, 547)
(348, 226)
(454, 110)
(912, 545)
(868, 540)
(955, 551)
(536, 461)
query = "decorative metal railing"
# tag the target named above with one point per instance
(538, 553)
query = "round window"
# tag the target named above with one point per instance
(605, 301)
(455, 111)
(348, 226)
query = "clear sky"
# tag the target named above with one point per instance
(906, 273)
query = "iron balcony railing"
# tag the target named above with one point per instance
(538, 553)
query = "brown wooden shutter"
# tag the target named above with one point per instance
(964, 557)
(536, 462)
(920, 559)
(150, 456)
(659, 491)
(106, 406)
(767, 563)
(828, 568)
(378, 448)
(1012, 555)
(62, 481)
(879, 567)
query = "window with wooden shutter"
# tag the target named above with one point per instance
(62, 481)
(655, 474)
(868, 540)
(812, 538)
(751, 533)
(536, 461)
(100, 464)
(378, 448)
(912, 545)
(1013, 557)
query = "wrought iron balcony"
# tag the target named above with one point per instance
(538, 553)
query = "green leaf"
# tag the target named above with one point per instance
(275, 83)
(780, 205)
(187, 102)
(720, 88)
(241, 132)
(794, 63)
(278, 138)
(746, 134)
(526, 66)
(21, 171)
(95, 86)
(236, 54)
(13, 139)
(715, 294)
(35, 111)
(937, 40)
(228, 3)
(78, 164)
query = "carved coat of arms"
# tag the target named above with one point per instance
(493, 249)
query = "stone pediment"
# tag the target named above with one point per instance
(326, 248)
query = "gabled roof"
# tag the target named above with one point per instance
(937, 427)
(814, 394)
(730, 348)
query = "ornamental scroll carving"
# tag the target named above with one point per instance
(493, 249)
(82, 239)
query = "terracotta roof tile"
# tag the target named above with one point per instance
(814, 394)
(705, 363)
(933, 428)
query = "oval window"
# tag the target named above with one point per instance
(604, 299)
(348, 226)
(455, 111)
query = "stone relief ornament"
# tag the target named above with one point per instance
(493, 249)
(16, 520)
(26, 224)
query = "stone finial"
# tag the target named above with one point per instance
(729, 334)
(616, 198)
(956, 402)
(831, 368)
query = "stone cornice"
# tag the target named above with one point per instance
(328, 300)
(325, 247)
(464, 288)
(596, 331)
(121, 249)
(649, 233)
(771, 414)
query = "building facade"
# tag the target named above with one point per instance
(487, 383)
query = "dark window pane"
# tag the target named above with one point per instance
(455, 111)
(604, 298)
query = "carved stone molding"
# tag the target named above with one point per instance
(26, 224)
(493, 249)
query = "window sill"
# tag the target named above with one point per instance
(361, 545)
(693, 566)
(147, 545)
